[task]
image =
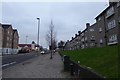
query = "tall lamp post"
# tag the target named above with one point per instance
(38, 32)
(26, 39)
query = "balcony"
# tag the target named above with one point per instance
(111, 43)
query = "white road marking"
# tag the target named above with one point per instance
(12, 63)
(8, 64)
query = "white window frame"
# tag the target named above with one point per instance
(110, 11)
(99, 18)
(91, 30)
(85, 38)
(111, 24)
(8, 32)
(100, 29)
(101, 41)
(113, 38)
(118, 4)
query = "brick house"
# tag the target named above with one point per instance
(15, 41)
(7, 39)
(10, 39)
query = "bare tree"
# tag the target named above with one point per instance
(51, 38)
(61, 45)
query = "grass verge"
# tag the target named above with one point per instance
(103, 60)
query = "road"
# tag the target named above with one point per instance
(39, 67)
(10, 60)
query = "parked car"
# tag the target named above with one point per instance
(42, 52)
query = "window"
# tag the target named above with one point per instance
(92, 38)
(119, 19)
(99, 18)
(101, 41)
(8, 32)
(82, 46)
(113, 38)
(111, 24)
(92, 44)
(7, 38)
(7, 44)
(85, 38)
(100, 29)
(91, 29)
(118, 4)
(110, 11)
(82, 39)
(82, 34)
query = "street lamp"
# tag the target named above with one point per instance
(26, 39)
(38, 31)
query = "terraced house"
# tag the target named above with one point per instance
(10, 39)
(104, 32)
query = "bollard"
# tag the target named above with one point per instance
(78, 73)
(66, 63)
(71, 69)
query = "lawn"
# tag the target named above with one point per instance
(102, 60)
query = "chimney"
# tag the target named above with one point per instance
(72, 38)
(75, 35)
(87, 25)
(111, 1)
(79, 32)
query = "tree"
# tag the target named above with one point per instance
(51, 37)
(61, 44)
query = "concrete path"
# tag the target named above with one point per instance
(39, 67)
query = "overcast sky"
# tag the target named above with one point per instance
(68, 18)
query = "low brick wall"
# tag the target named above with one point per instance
(80, 72)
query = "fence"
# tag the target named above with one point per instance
(80, 72)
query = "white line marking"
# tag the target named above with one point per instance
(12, 63)
(8, 64)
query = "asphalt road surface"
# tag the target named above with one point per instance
(10, 60)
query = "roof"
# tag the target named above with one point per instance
(6, 26)
(15, 30)
(105, 9)
(23, 45)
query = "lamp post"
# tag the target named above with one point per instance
(38, 32)
(26, 39)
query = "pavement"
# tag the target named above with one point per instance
(38, 67)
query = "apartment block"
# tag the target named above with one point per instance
(105, 32)
(110, 19)
(15, 41)
(7, 40)
(1, 38)
(10, 39)
(91, 35)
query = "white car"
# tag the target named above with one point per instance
(42, 52)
